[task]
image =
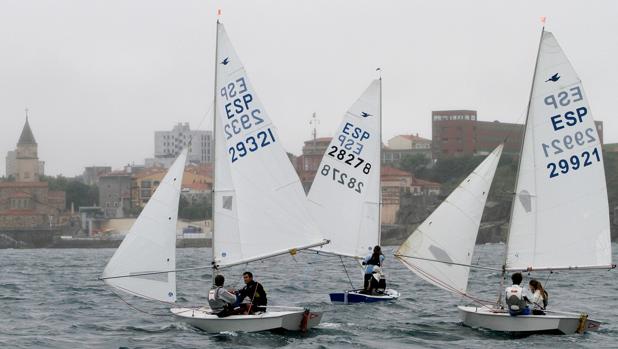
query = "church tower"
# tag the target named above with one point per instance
(26, 156)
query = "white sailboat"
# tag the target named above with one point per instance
(440, 249)
(560, 214)
(345, 195)
(144, 263)
(259, 207)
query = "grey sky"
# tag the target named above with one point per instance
(100, 76)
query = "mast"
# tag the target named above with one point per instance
(214, 157)
(521, 151)
(380, 164)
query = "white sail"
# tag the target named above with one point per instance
(446, 238)
(560, 216)
(348, 213)
(150, 245)
(260, 207)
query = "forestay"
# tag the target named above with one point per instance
(560, 216)
(345, 195)
(260, 206)
(150, 245)
(447, 236)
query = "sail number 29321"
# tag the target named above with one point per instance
(251, 144)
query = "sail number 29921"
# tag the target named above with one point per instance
(573, 163)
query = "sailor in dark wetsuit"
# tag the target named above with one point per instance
(252, 296)
(370, 262)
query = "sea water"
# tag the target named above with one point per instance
(51, 298)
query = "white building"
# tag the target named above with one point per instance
(11, 163)
(168, 145)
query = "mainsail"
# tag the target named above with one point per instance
(150, 246)
(560, 216)
(260, 208)
(345, 195)
(440, 249)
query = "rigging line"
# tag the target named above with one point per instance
(547, 279)
(134, 307)
(111, 288)
(449, 263)
(346, 272)
(449, 287)
(154, 272)
(206, 115)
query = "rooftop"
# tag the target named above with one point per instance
(26, 135)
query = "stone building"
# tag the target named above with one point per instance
(92, 174)
(23, 163)
(196, 183)
(405, 145)
(307, 163)
(25, 201)
(459, 133)
(115, 194)
(394, 183)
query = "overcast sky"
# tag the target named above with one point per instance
(100, 76)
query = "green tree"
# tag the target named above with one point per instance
(194, 211)
(413, 163)
(76, 192)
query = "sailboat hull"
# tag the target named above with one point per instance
(354, 296)
(271, 320)
(552, 322)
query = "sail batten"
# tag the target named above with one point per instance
(345, 194)
(560, 217)
(440, 249)
(259, 204)
(150, 246)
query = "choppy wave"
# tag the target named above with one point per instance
(51, 299)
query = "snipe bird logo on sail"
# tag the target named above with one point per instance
(554, 78)
(225, 61)
(363, 114)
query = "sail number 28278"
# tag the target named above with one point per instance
(342, 178)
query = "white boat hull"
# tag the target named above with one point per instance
(552, 322)
(270, 320)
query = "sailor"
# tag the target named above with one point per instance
(220, 300)
(373, 263)
(517, 297)
(252, 296)
(539, 297)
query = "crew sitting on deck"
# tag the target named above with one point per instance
(220, 300)
(517, 297)
(539, 297)
(374, 284)
(252, 296)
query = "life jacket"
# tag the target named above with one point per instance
(515, 298)
(219, 306)
(213, 295)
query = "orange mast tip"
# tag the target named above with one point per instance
(219, 12)
(543, 19)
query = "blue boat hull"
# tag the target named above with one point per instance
(353, 297)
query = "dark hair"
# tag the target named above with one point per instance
(219, 280)
(536, 284)
(248, 273)
(517, 278)
(377, 251)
